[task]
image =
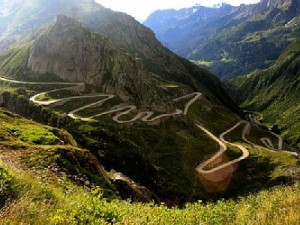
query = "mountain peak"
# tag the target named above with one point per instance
(219, 5)
(278, 3)
(61, 19)
(197, 5)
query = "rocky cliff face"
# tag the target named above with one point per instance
(74, 53)
(278, 3)
(139, 40)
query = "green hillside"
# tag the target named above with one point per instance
(275, 92)
(167, 151)
(51, 183)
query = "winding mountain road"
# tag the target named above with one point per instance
(223, 148)
(40, 83)
(119, 110)
(266, 141)
(191, 102)
(145, 116)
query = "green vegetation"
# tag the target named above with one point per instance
(243, 57)
(215, 117)
(5, 186)
(285, 164)
(46, 153)
(174, 145)
(57, 95)
(100, 108)
(42, 180)
(207, 64)
(14, 63)
(275, 93)
(75, 104)
(174, 148)
(26, 131)
(4, 88)
(257, 133)
(45, 203)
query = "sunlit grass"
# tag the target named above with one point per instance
(65, 203)
(202, 63)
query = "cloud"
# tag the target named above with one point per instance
(140, 9)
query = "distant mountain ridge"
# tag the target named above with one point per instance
(172, 25)
(236, 40)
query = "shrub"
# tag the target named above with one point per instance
(5, 186)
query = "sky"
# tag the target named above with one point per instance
(141, 9)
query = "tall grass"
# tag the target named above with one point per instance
(61, 202)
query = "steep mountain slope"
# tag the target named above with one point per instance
(275, 92)
(66, 50)
(50, 150)
(246, 38)
(120, 28)
(166, 150)
(163, 156)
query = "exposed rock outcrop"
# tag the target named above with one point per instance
(129, 189)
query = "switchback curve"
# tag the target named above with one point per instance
(119, 110)
(223, 148)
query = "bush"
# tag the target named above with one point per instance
(5, 186)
